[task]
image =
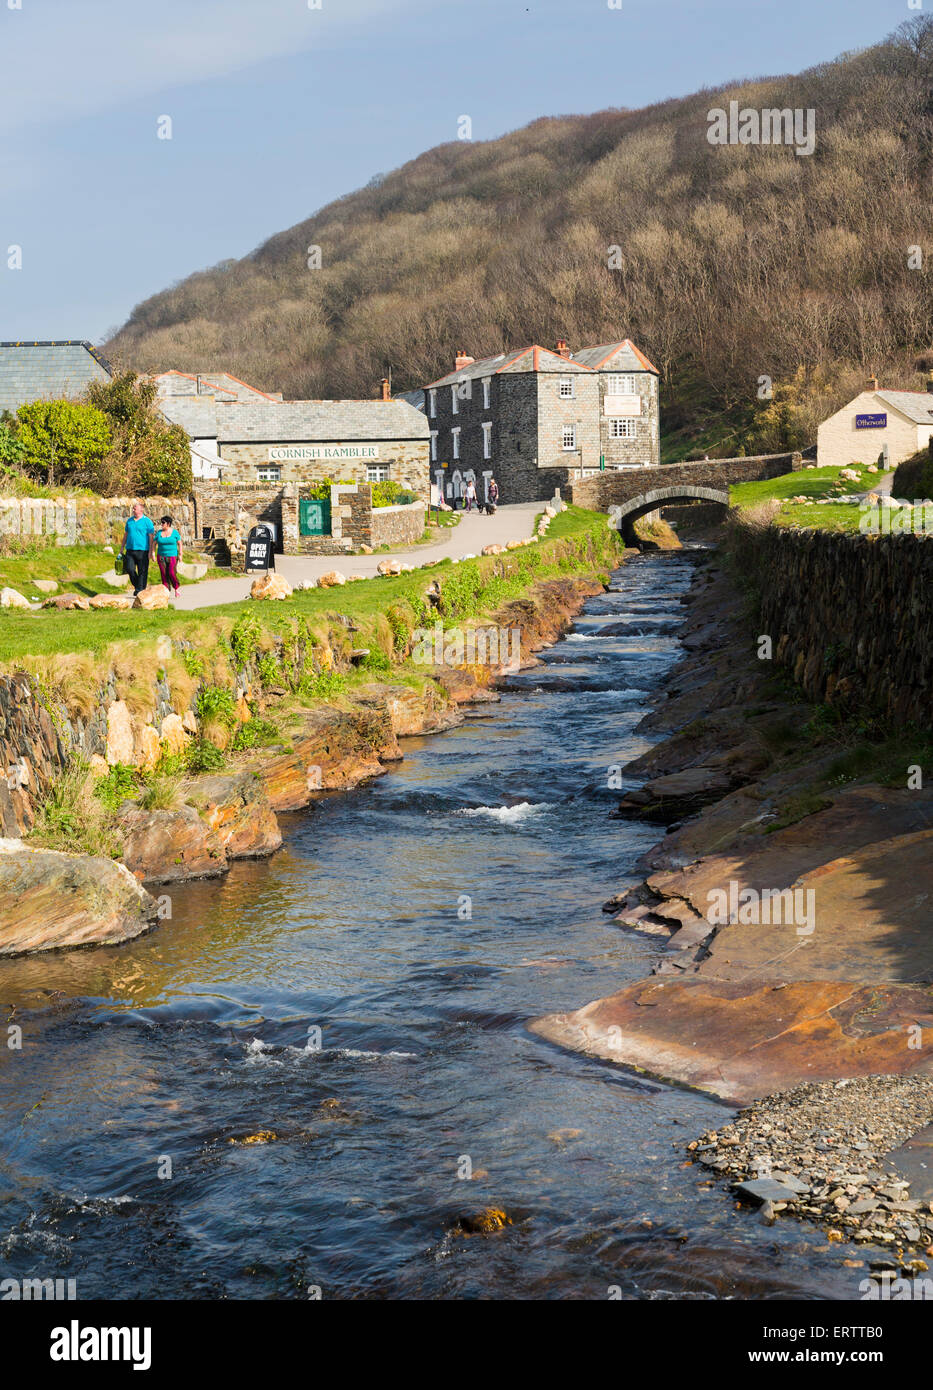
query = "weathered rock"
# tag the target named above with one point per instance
(236, 808)
(740, 1040)
(67, 601)
(45, 586)
(111, 601)
(12, 598)
(270, 586)
(121, 742)
(155, 596)
(148, 748)
(389, 567)
(191, 569)
(114, 580)
(337, 749)
(331, 579)
(174, 735)
(50, 900)
(170, 846)
(494, 549)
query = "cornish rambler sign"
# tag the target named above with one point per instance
(871, 422)
(282, 453)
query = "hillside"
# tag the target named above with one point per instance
(736, 261)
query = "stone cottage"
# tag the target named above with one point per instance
(536, 418)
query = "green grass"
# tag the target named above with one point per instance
(71, 566)
(813, 483)
(46, 632)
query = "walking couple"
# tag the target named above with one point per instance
(140, 539)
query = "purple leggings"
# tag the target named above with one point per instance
(168, 565)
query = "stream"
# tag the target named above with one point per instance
(363, 997)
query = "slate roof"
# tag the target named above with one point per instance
(415, 398)
(219, 384)
(197, 415)
(55, 370)
(296, 422)
(624, 357)
(616, 357)
(916, 405)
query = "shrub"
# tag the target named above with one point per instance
(255, 733)
(245, 638)
(204, 757)
(73, 818)
(62, 440)
(122, 783)
(215, 702)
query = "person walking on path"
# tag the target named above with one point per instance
(469, 494)
(492, 497)
(138, 539)
(168, 552)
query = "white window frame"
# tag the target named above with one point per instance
(434, 446)
(570, 430)
(455, 441)
(432, 403)
(565, 388)
(487, 389)
(377, 472)
(623, 427)
(487, 439)
(621, 384)
(269, 473)
(455, 399)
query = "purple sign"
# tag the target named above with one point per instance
(871, 422)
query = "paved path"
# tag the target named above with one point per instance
(512, 522)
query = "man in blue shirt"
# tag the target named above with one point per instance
(138, 540)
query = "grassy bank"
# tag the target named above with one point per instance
(820, 487)
(70, 649)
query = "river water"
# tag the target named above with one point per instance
(363, 996)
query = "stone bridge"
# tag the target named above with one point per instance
(623, 515)
(612, 488)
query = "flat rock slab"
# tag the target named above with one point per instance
(913, 1162)
(870, 918)
(740, 1040)
(49, 900)
(769, 1190)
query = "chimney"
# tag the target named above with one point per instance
(386, 394)
(873, 383)
(562, 348)
(462, 360)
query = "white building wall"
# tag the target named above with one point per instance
(840, 444)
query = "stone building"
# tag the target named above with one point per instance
(902, 421)
(535, 418)
(61, 369)
(244, 437)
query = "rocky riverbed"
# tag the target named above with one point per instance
(832, 1153)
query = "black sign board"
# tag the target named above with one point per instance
(260, 552)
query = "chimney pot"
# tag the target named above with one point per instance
(562, 348)
(386, 396)
(873, 383)
(462, 360)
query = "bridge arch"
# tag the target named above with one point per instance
(622, 516)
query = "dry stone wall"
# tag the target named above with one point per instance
(851, 618)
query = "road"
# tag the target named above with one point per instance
(511, 522)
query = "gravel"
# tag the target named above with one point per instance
(822, 1148)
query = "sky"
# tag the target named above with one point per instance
(279, 106)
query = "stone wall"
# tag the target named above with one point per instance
(603, 490)
(397, 526)
(850, 617)
(88, 520)
(32, 753)
(407, 461)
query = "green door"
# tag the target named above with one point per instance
(314, 516)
